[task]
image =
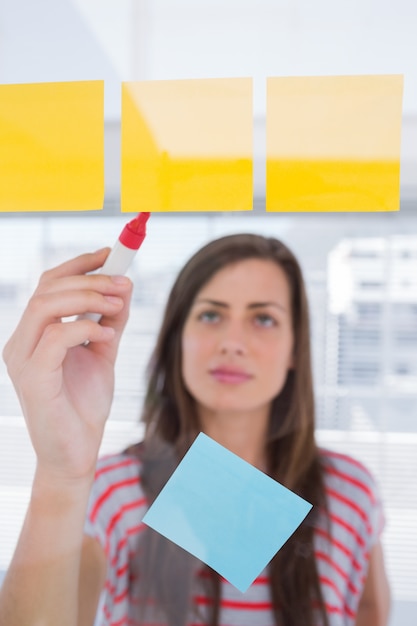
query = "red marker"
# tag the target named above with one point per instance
(123, 251)
(125, 248)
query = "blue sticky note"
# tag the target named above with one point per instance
(226, 512)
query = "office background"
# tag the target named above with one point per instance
(364, 334)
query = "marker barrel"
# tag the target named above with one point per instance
(116, 264)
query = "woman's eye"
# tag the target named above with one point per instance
(209, 317)
(262, 319)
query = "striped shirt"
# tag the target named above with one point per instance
(342, 547)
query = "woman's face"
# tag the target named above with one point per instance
(237, 342)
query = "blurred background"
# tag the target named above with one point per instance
(360, 269)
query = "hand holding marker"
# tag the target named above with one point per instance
(123, 252)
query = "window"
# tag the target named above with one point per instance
(364, 406)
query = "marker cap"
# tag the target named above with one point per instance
(134, 232)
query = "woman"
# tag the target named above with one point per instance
(232, 360)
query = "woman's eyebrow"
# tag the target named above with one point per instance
(277, 305)
(212, 302)
(252, 305)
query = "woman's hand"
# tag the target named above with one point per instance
(65, 387)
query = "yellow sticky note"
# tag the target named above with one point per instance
(187, 145)
(333, 143)
(52, 146)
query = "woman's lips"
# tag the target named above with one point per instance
(231, 376)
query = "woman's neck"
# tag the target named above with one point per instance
(243, 434)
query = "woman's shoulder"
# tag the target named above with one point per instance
(353, 496)
(117, 503)
(117, 492)
(348, 474)
(118, 477)
(112, 465)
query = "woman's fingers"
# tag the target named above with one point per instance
(55, 306)
(102, 283)
(82, 264)
(117, 322)
(58, 338)
(45, 309)
(61, 294)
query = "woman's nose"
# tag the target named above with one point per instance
(233, 340)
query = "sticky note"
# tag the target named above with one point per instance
(333, 143)
(187, 145)
(226, 512)
(52, 146)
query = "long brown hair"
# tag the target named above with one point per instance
(292, 456)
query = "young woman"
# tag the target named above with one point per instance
(232, 360)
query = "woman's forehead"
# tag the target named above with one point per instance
(247, 279)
